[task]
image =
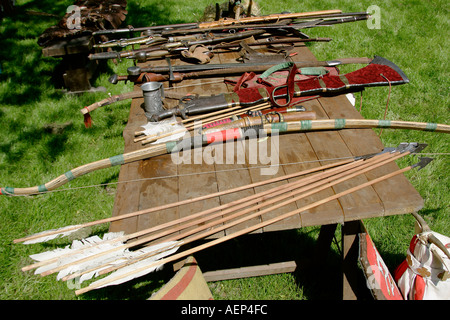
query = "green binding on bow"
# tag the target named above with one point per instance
(164, 148)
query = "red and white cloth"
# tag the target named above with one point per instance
(424, 274)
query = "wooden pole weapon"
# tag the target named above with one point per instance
(193, 26)
(272, 17)
(141, 54)
(222, 136)
(170, 40)
(300, 23)
(148, 267)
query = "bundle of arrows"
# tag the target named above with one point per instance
(128, 256)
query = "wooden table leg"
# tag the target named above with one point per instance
(350, 231)
(324, 241)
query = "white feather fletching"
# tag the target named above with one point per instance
(61, 233)
(95, 273)
(163, 127)
(110, 280)
(126, 256)
(104, 258)
(83, 248)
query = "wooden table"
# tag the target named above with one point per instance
(158, 181)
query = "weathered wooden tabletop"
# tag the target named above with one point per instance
(157, 181)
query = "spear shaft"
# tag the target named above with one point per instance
(138, 75)
(140, 54)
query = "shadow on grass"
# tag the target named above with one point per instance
(317, 282)
(24, 70)
(27, 76)
(51, 141)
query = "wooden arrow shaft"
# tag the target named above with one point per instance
(244, 231)
(188, 201)
(267, 197)
(183, 223)
(276, 199)
(302, 188)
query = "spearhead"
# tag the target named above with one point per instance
(412, 147)
(423, 161)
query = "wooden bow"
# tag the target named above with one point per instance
(221, 136)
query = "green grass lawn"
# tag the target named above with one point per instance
(412, 34)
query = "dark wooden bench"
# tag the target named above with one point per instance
(78, 69)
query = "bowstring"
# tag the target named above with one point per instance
(180, 175)
(200, 173)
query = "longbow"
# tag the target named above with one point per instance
(221, 136)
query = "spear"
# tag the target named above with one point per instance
(195, 25)
(141, 54)
(169, 47)
(272, 17)
(184, 28)
(138, 74)
(298, 23)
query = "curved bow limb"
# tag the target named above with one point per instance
(87, 168)
(336, 124)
